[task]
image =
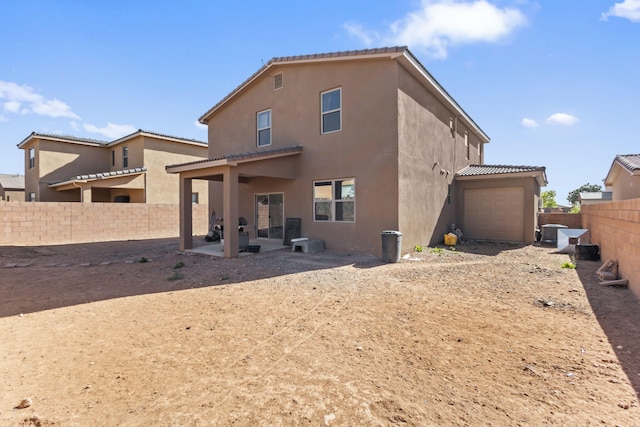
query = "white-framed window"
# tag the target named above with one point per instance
(32, 157)
(125, 157)
(195, 198)
(32, 197)
(466, 145)
(264, 128)
(331, 108)
(479, 150)
(451, 128)
(334, 200)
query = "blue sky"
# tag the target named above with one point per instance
(553, 83)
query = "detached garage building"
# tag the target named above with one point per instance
(499, 203)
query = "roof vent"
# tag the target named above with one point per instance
(278, 81)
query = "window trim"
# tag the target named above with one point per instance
(32, 157)
(258, 129)
(333, 200)
(125, 157)
(466, 145)
(322, 113)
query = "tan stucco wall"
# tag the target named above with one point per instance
(626, 186)
(365, 148)
(530, 187)
(57, 161)
(161, 186)
(428, 158)
(615, 228)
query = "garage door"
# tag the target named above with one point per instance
(494, 214)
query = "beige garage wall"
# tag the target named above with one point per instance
(57, 223)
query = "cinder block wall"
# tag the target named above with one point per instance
(570, 220)
(57, 223)
(615, 227)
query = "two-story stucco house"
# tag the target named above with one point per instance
(352, 143)
(130, 169)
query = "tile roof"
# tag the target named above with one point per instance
(479, 170)
(250, 155)
(100, 175)
(69, 138)
(629, 161)
(8, 181)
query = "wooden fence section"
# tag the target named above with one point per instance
(615, 227)
(58, 223)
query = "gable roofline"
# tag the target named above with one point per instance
(141, 132)
(628, 162)
(99, 143)
(400, 53)
(474, 172)
(61, 138)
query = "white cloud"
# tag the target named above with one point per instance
(359, 32)
(440, 24)
(529, 123)
(629, 9)
(24, 99)
(3, 118)
(562, 119)
(200, 125)
(111, 130)
(74, 125)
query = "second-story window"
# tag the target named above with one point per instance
(264, 128)
(331, 107)
(32, 157)
(125, 157)
(113, 157)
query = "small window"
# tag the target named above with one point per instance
(32, 157)
(195, 198)
(451, 128)
(334, 200)
(331, 110)
(277, 81)
(125, 157)
(264, 128)
(113, 157)
(466, 145)
(32, 197)
(479, 149)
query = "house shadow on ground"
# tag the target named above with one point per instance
(38, 278)
(617, 310)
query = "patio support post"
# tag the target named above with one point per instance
(186, 213)
(231, 211)
(86, 194)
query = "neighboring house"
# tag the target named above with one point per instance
(11, 187)
(130, 169)
(352, 143)
(595, 197)
(624, 177)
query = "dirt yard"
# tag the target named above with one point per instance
(136, 333)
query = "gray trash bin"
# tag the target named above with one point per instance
(391, 245)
